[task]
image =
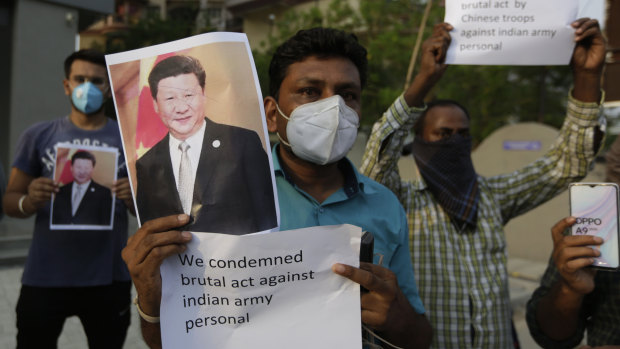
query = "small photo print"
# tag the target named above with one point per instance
(84, 200)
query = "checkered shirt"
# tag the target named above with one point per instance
(461, 274)
(600, 314)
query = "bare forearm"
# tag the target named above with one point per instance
(417, 91)
(587, 87)
(151, 334)
(588, 59)
(558, 312)
(10, 203)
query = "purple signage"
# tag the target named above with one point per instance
(522, 145)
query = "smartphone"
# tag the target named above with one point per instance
(367, 246)
(595, 206)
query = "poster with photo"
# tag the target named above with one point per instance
(84, 200)
(194, 133)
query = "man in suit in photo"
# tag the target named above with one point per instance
(82, 201)
(218, 174)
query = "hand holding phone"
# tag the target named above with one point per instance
(595, 208)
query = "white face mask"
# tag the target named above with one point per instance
(321, 132)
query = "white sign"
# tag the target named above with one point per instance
(593, 9)
(511, 32)
(272, 290)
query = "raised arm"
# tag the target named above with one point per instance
(579, 139)
(432, 65)
(588, 60)
(388, 135)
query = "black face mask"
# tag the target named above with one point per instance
(447, 168)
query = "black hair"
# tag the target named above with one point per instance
(83, 154)
(174, 66)
(320, 42)
(418, 127)
(88, 55)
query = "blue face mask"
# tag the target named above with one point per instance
(87, 98)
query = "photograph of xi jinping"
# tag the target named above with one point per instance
(218, 174)
(82, 201)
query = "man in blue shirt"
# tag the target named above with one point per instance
(316, 79)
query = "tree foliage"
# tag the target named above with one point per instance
(152, 30)
(494, 95)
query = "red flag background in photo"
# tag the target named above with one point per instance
(149, 128)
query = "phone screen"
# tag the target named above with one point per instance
(595, 206)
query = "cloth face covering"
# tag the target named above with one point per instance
(87, 98)
(447, 168)
(321, 132)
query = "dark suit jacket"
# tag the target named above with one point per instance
(232, 193)
(95, 207)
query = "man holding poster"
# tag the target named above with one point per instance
(318, 73)
(76, 272)
(457, 216)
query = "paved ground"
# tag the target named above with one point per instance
(522, 284)
(73, 337)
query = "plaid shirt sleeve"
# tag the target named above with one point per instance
(612, 161)
(549, 278)
(384, 147)
(568, 160)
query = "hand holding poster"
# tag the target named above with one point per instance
(272, 290)
(511, 32)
